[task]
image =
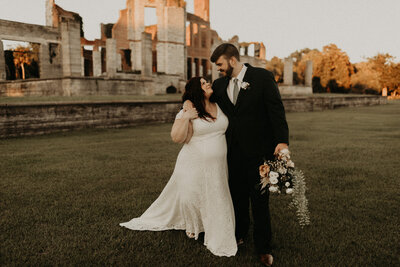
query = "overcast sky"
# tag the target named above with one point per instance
(361, 28)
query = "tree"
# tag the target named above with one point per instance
(333, 65)
(387, 70)
(275, 65)
(365, 78)
(25, 61)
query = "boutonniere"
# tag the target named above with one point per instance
(245, 85)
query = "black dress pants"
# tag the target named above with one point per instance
(244, 186)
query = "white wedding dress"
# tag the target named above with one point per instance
(197, 198)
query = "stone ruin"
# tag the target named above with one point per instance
(288, 88)
(128, 58)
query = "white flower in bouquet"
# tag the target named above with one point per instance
(273, 189)
(282, 170)
(290, 164)
(273, 180)
(284, 155)
(273, 174)
(289, 190)
(287, 184)
(284, 151)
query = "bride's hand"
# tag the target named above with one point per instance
(187, 105)
(190, 113)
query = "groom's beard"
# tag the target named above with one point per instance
(228, 71)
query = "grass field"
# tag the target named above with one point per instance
(63, 195)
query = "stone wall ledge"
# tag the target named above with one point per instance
(24, 119)
(136, 77)
(85, 86)
(90, 103)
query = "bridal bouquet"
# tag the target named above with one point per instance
(280, 176)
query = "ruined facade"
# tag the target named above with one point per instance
(177, 48)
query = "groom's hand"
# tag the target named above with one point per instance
(279, 147)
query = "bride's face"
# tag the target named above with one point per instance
(206, 86)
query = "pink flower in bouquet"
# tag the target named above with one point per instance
(264, 170)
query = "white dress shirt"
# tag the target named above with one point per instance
(239, 82)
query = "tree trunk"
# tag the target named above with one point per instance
(23, 71)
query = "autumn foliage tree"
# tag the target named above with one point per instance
(334, 68)
(26, 61)
(365, 78)
(333, 71)
(275, 65)
(387, 70)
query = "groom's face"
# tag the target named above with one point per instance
(223, 66)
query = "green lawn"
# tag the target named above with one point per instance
(62, 196)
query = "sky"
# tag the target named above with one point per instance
(361, 28)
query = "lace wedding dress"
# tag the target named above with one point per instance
(197, 197)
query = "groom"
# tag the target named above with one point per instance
(257, 130)
(250, 98)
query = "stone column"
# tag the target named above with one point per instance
(96, 63)
(44, 61)
(214, 70)
(2, 62)
(119, 62)
(199, 36)
(49, 12)
(201, 69)
(202, 9)
(191, 34)
(288, 71)
(111, 58)
(171, 42)
(83, 64)
(194, 68)
(133, 55)
(147, 54)
(308, 73)
(71, 48)
(135, 9)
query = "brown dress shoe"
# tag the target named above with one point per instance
(266, 259)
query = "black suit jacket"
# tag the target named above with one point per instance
(257, 123)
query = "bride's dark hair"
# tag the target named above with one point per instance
(194, 93)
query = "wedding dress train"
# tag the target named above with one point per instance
(197, 197)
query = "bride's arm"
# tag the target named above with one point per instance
(182, 130)
(189, 133)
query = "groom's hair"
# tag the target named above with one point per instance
(227, 50)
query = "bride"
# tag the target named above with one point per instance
(197, 198)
